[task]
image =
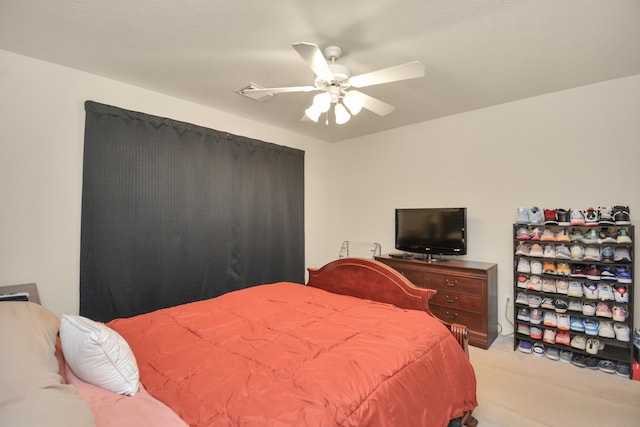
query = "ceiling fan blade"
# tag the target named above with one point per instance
(313, 56)
(260, 93)
(375, 105)
(410, 70)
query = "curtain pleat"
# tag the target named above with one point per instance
(173, 213)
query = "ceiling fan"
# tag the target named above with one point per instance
(336, 84)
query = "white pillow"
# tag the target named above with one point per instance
(99, 355)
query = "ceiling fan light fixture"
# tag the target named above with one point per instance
(354, 102)
(322, 102)
(342, 115)
(313, 113)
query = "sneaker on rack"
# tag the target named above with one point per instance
(622, 332)
(577, 270)
(523, 215)
(592, 362)
(547, 235)
(535, 316)
(552, 353)
(523, 282)
(564, 323)
(576, 235)
(549, 286)
(522, 298)
(547, 303)
(523, 249)
(550, 319)
(607, 236)
(589, 308)
(523, 266)
(593, 273)
(623, 369)
(623, 274)
(535, 233)
(523, 329)
(579, 360)
(577, 324)
(524, 346)
(591, 327)
(563, 236)
(535, 283)
(565, 356)
(603, 310)
(536, 267)
(606, 329)
(523, 314)
(523, 233)
(607, 366)
(578, 342)
(591, 216)
(549, 336)
(550, 217)
(623, 236)
(535, 333)
(563, 338)
(562, 285)
(621, 215)
(592, 253)
(593, 346)
(591, 237)
(538, 349)
(575, 289)
(534, 301)
(576, 217)
(564, 218)
(621, 294)
(563, 269)
(606, 216)
(575, 305)
(605, 292)
(622, 254)
(562, 252)
(606, 254)
(577, 252)
(536, 250)
(561, 306)
(619, 313)
(606, 273)
(549, 267)
(590, 291)
(549, 251)
(535, 216)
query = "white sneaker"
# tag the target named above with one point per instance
(605, 292)
(549, 251)
(535, 216)
(523, 215)
(622, 255)
(622, 332)
(562, 252)
(619, 313)
(606, 329)
(523, 249)
(577, 252)
(576, 217)
(592, 253)
(536, 267)
(536, 250)
(575, 289)
(523, 266)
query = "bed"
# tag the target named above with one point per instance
(356, 346)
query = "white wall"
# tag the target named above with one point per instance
(568, 149)
(575, 148)
(42, 116)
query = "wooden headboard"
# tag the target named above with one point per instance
(370, 279)
(29, 288)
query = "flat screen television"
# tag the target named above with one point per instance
(432, 231)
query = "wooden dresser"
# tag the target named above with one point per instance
(467, 292)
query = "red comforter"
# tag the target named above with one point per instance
(291, 355)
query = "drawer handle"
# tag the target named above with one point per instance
(448, 283)
(452, 316)
(450, 300)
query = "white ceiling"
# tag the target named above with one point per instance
(477, 53)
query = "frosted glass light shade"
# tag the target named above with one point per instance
(342, 115)
(313, 113)
(354, 102)
(322, 102)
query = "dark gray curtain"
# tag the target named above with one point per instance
(173, 213)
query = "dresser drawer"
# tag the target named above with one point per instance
(450, 282)
(417, 277)
(452, 315)
(457, 301)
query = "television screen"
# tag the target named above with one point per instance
(438, 231)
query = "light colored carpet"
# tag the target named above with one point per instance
(518, 389)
